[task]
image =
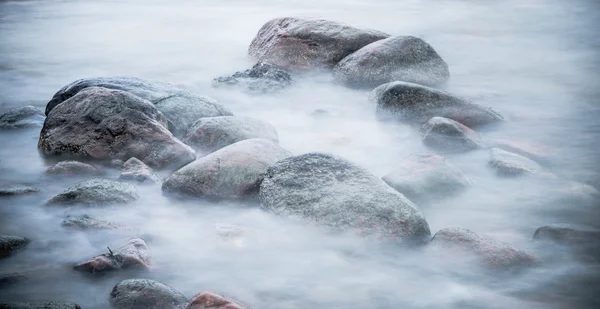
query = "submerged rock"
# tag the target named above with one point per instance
(327, 190)
(210, 300)
(511, 164)
(397, 58)
(304, 44)
(415, 104)
(448, 135)
(213, 133)
(102, 124)
(87, 223)
(233, 235)
(136, 254)
(233, 172)
(22, 117)
(16, 189)
(12, 279)
(262, 78)
(10, 244)
(40, 305)
(70, 168)
(134, 169)
(584, 242)
(531, 149)
(96, 192)
(145, 294)
(423, 176)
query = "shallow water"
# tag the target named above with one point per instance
(534, 61)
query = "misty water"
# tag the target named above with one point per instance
(534, 61)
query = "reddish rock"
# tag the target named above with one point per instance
(448, 135)
(135, 254)
(210, 300)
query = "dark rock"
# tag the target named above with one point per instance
(10, 244)
(145, 294)
(423, 176)
(70, 168)
(448, 135)
(511, 164)
(299, 44)
(22, 117)
(40, 305)
(415, 104)
(233, 172)
(398, 58)
(117, 163)
(136, 170)
(262, 78)
(584, 242)
(88, 223)
(180, 107)
(96, 192)
(332, 192)
(210, 300)
(12, 279)
(16, 189)
(488, 251)
(104, 124)
(136, 254)
(213, 133)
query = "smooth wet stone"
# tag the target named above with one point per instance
(448, 135)
(40, 305)
(145, 294)
(71, 168)
(415, 104)
(213, 133)
(305, 44)
(330, 191)
(87, 223)
(511, 164)
(10, 244)
(397, 58)
(426, 176)
(22, 117)
(96, 192)
(262, 78)
(7, 190)
(583, 242)
(531, 149)
(136, 170)
(210, 300)
(135, 254)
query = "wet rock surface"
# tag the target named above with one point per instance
(330, 191)
(136, 170)
(511, 164)
(213, 133)
(40, 305)
(397, 58)
(584, 242)
(7, 190)
(71, 168)
(22, 117)
(96, 192)
(531, 149)
(233, 172)
(415, 104)
(305, 44)
(206, 300)
(136, 254)
(10, 279)
(10, 244)
(448, 135)
(261, 78)
(87, 223)
(145, 294)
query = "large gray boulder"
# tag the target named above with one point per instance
(329, 191)
(103, 124)
(180, 107)
(233, 172)
(445, 134)
(305, 44)
(415, 104)
(213, 133)
(145, 294)
(40, 305)
(397, 58)
(22, 117)
(511, 164)
(135, 254)
(10, 244)
(96, 192)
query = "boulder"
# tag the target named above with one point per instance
(304, 44)
(213, 133)
(136, 254)
(232, 172)
(511, 164)
(96, 192)
(531, 149)
(40, 305)
(136, 170)
(448, 135)
(423, 176)
(180, 107)
(145, 294)
(12, 279)
(16, 189)
(332, 192)
(486, 250)
(233, 235)
(584, 242)
(210, 300)
(104, 124)
(10, 244)
(22, 117)
(87, 223)
(262, 78)
(415, 104)
(71, 168)
(397, 58)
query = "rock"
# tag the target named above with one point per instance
(102, 124)
(448, 135)
(70, 168)
(10, 244)
(233, 235)
(117, 163)
(145, 294)
(136, 170)
(40, 305)
(22, 117)
(87, 223)
(233, 172)
(210, 300)
(424, 176)
(397, 58)
(213, 133)
(584, 242)
(488, 251)
(329, 191)
(136, 254)
(180, 107)
(534, 150)
(511, 164)
(12, 279)
(415, 104)
(96, 192)
(16, 189)
(262, 78)
(304, 44)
